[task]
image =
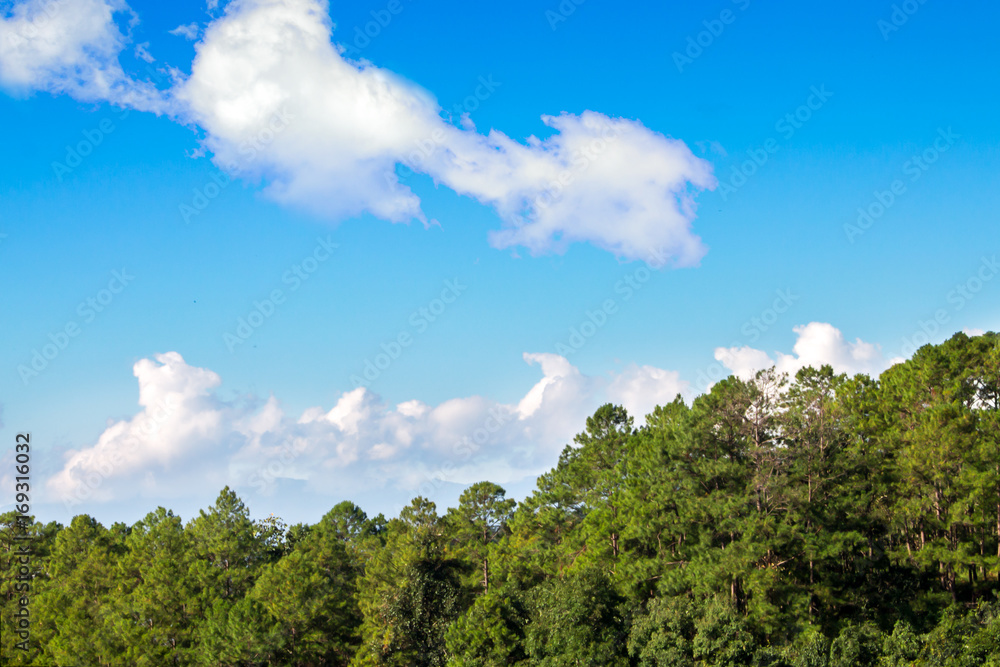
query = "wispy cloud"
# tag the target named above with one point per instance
(189, 31)
(70, 47)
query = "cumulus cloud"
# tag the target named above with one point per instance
(180, 418)
(70, 47)
(818, 343)
(279, 101)
(186, 439)
(642, 388)
(607, 181)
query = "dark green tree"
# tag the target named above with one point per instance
(478, 522)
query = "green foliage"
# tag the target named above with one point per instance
(74, 614)
(814, 521)
(856, 646)
(722, 637)
(577, 620)
(27, 583)
(308, 597)
(809, 649)
(151, 612)
(662, 637)
(411, 591)
(491, 632)
(902, 647)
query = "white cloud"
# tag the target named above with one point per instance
(342, 128)
(186, 440)
(972, 332)
(610, 182)
(180, 417)
(189, 31)
(818, 343)
(642, 388)
(142, 52)
(278, 102)
(70, 47)
(607, 181)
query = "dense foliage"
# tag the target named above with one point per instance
(814, 521)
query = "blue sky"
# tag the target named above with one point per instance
(758, 129)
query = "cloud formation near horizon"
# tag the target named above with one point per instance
(185, 438)
(817, 344)
(278, 102)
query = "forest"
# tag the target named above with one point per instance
(818, 520)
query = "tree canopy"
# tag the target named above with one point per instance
(810, 521)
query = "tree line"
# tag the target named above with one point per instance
(814, 521)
